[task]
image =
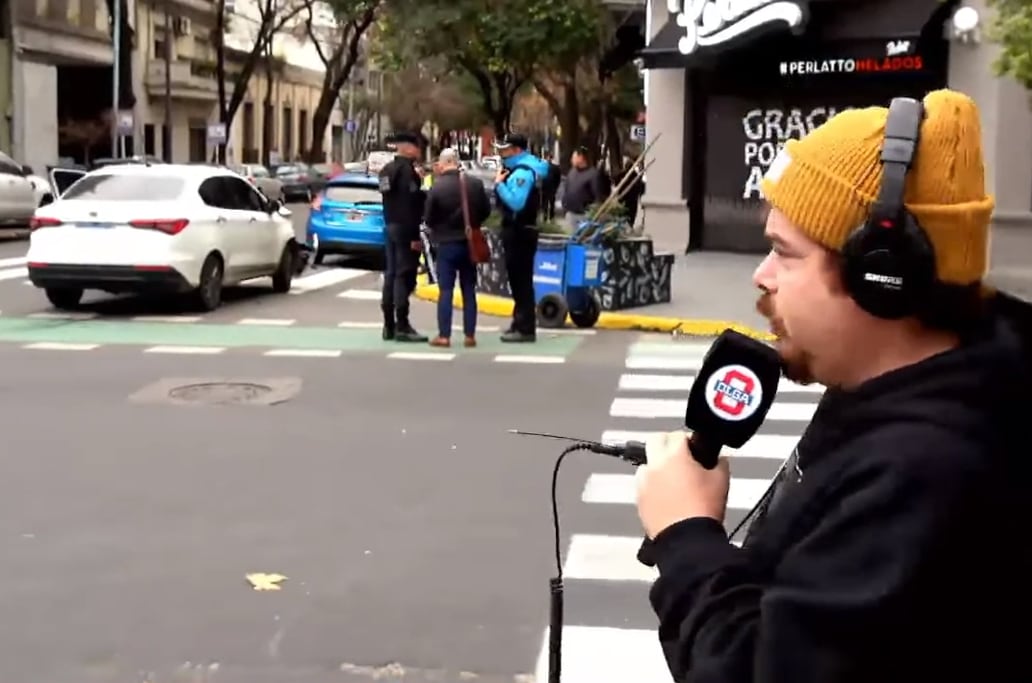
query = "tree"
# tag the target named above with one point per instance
(338, 45)
(424, 91)
(268, 18)
(500, 45)
(594, 109)
(1012, 28)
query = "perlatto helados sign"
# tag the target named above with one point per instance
(712, 22)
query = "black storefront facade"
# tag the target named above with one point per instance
(758, 72)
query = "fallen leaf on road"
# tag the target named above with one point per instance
(265, 582)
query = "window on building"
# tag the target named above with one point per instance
(148, 140)
(302, 131)
(288, 134)
(248, 125)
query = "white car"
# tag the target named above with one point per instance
(157, 228)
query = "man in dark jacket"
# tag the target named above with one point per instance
(400, 185)
(891, 547)
(446, 219)
(550, 187)
(584, 187)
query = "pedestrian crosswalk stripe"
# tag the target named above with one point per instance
(620, 489)
(195, 350)
(303, 353)
(607, 558)
(59, 346)
(62, 316)
(594, 654)
(664, 408)
(14, 274)
(683, 383)
(16, 261)
(429, 355)
(324, 278)
(361, 294)
(764, 446)
(272, 322)
(502, 358)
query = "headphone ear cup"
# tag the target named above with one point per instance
(889, 271)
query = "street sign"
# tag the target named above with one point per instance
(351, 125)
(125, 123)
(216, 133)
(638, 133)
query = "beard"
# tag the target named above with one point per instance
(796, 363)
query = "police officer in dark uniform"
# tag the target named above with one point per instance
(518, 191)
(401, 186)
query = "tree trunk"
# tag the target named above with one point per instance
(219, 35)
(337, 74)
(268, 112)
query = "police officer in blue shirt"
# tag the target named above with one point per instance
(518, 193)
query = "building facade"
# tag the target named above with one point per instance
(60, 56)
(724, 92)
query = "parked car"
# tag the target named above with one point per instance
(347, 218)
(166, 228)
(318, 176)
(294, 178)
(17, 194)
(260, 177)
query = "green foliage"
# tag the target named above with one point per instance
(1012, 29)
(499, 44)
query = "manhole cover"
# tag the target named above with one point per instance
(221, 393)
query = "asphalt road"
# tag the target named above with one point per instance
(414, 532)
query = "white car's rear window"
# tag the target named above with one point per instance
(353, 193)
(126, 188)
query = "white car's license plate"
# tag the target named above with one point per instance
(80, 224)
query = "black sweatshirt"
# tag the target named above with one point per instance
(900, 555)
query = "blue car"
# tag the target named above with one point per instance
(347, 218)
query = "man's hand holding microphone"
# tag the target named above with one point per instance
(673, 486)
(684, 476)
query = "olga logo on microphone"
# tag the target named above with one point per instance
(734, 393)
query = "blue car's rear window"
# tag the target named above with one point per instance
(353, 193)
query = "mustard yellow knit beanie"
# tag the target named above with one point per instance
(826, 182)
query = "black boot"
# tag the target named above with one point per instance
(388, 325)
(405, 332)
(514, 337)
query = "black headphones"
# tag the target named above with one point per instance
(888, 262)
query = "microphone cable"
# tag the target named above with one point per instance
(634, 453)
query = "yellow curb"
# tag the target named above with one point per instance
(609, 320)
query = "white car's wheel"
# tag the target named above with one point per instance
(284, 274)
(208, 294)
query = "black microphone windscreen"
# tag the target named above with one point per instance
(734, 389)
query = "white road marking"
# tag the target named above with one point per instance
(324, 278)
(607, 655)
(766, 446)
(62, 316)
(530, 359)
(277, 322)
(61, 346)
(605, 558)
(303, 353)
(361, 294)
(657, 408)
(410, 355)
(360, 325)
(197, 350)
(14, 274)
(684, 383)
(16, 261)
(620, 489)
(166, 319)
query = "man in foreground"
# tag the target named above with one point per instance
(400, 186)
(891, 546)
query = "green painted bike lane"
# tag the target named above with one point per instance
(129, 333)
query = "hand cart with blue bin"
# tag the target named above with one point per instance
(567, 271)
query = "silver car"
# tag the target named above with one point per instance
(260, 177)
(17, 194)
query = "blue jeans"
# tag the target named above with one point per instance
(453, 261)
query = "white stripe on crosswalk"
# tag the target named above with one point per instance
(324, 278)
(765, 446)
(663, 363)
(607, 655)
(619, 489)
(633, 382)
(16, 261)
(605, 558)
(14, 273)
(665, 408)
(361, 294)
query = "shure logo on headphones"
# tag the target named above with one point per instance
(890, 280)
(711, 22)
